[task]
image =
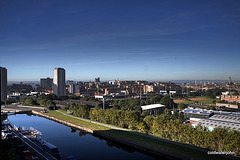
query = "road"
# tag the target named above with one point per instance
(20, 108)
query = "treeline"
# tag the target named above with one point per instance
(168, 126)
(43, 100)
(219, 139)
(47, 100)
(123, 118)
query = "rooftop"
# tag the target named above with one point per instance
(152, 106)
(197, 111)
(226, 118)
(212, 123)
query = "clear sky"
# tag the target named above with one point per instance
(125, 39)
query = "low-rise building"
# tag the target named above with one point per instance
(197, 113)
(229, 98)
(228, 105)
(154, 109)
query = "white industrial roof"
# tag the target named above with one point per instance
(226, 118)
(216, 123)
(152, 106)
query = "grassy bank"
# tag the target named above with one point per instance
(89, 125)
(138, 141)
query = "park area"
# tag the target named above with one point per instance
(201, 100)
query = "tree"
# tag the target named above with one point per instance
(131, 118)
(211, 108)
(10, 101)
(30, 101)
(181, 106)
(167, 101)
(50, 103)
(148, 120)
(235, 93)
(155, 98)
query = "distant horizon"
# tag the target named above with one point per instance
(198, 81)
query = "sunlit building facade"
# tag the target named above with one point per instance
(59, 86)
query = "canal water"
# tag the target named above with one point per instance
(74, 142)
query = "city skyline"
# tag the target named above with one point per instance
(137, 40)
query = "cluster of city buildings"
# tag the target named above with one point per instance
(60, 87)
(114, 88)
(107, 90)
(206, 85)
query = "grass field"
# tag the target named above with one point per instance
(201, 100)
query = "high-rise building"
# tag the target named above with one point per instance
(72, 88)
(3, 83)
(46, 83)
(59, 86)
(229, 80)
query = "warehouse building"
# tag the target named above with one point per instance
(154, 109)
(222, 121)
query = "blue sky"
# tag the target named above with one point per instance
(127, 39)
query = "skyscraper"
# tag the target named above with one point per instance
(229, 80)
(3, 85)
(59, 82)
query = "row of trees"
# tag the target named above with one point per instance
(219, 139)
(43, 100)
(168, 126)
(47, 100)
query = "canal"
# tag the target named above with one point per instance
(78, 143)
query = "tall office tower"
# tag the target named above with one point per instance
(3, 85)
(59, 86)
(229, 80)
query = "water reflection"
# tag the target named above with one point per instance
(120, 146)
(71, 141)
(73, 130)
(82, 133)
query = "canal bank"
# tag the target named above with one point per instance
(63, 122)
(151, 146)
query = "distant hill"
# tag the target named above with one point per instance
(24, 82)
